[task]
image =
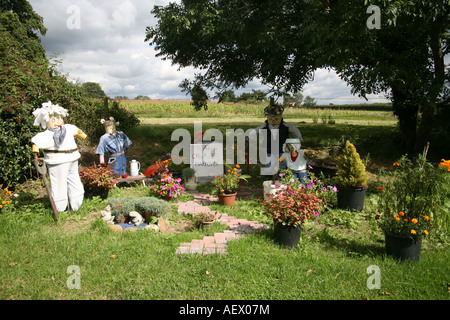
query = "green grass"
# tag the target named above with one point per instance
(330, 262)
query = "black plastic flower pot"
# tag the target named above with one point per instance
(403, 248)
(287, 236)
(351, 198)
(91, 193)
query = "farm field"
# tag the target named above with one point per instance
(172, 111)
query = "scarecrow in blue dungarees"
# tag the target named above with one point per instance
(113, 142)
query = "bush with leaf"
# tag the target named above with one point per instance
(351, 170)
(413, 197)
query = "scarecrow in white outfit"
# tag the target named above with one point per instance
(60, 155)
(295, 158)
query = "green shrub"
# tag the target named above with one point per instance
(351, 170)
(152, 206)
(25, 85)
(146, 206)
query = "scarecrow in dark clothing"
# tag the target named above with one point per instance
(274, 114)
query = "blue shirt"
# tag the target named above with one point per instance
(113, 144)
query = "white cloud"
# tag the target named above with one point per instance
(108, 47)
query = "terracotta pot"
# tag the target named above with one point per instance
(227, 199)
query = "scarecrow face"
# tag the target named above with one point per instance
(55, 120)
(274, 120)
(110, 127)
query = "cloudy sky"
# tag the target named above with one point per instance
(103, 41)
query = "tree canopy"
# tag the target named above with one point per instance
(282, 43)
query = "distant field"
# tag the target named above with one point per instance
(153, 111)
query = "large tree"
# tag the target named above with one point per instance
(282, 43)
(27, 79)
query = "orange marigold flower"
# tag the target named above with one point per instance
(237, 166)
(401, 213)
(397, 219)
(414, 220)
(426, 218)
(413, 231)
(379, 188)
(396, 164)
(425, 232)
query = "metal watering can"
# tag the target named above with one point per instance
(135, 166)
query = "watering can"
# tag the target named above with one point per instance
(135, 166)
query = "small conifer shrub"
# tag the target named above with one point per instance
(351, 170)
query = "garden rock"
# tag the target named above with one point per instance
(152, 227)
(163, 225)
(116, 227)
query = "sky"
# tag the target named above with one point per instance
(103, 41)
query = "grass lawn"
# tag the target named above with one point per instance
(330, 263)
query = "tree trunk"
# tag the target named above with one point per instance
(429, 106)
(406, 112)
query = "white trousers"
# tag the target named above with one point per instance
(65, 185)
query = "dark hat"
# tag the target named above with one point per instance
(273, 110)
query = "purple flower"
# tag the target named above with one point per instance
(316, 214)
(291, 180)
(335, 189)
(310, 167)
(309, 187)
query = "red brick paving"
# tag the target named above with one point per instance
(217, 244)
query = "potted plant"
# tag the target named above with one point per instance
(351, 179)
(203, 219)
(226, 185)
(97, 181)
(190, 180)
(289, 209)
(166, 186)
(410, 197)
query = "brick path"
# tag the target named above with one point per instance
(216, 244)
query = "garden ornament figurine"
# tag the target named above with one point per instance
(113, 142)
(60, 155)
(274, 114)
(295, 158)
(136, 218)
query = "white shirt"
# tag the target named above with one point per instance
(298, 164)
(44, 140)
